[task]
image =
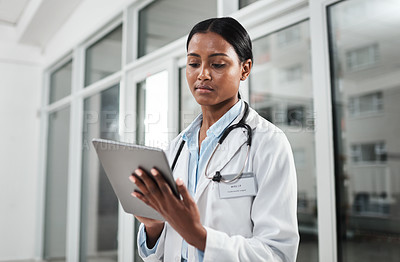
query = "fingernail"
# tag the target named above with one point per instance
(138, 172)
(179, 182)
(133, 179)
(153, 172)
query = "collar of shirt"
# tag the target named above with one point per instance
(198, 158)
(216, 130)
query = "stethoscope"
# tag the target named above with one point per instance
(218, 177)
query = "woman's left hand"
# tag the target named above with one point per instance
(182, 214)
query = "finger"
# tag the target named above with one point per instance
(186, 197)
(140, 185)
(162, 184)
(142, 198)
(151, 186)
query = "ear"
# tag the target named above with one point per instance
(246, 68)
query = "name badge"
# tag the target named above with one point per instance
(246, 185)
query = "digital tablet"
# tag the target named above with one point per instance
(120, 160)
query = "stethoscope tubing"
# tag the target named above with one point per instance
(220, 177)
(241, 124)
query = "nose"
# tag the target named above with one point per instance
(204, 73)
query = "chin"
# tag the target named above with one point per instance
(204, 102)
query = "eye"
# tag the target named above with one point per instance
(194, 65)
(218, 66)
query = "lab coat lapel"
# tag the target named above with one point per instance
(222, 156)
(201, 186)
(182, 165)
(226, 151)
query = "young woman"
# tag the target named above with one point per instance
(239, 202)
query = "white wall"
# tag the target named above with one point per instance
(20, 89)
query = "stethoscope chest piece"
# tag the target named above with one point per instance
(217, 177)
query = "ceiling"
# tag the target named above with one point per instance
(35, 21)
(11, 10)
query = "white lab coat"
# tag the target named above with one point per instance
(260, 228)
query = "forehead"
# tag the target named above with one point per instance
(210, 42)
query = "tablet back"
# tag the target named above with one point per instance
(120, 160)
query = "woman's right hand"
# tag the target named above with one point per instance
(153, 230)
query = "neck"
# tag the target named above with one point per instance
(212, 114)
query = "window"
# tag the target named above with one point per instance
(369, 152)
(291, 73)
(188, 106)
(367, 184)
(151, 123)
(153, 111)
(299, 155)
(57, 163)
(261, 52)
(99, 207)
(267, 113)
(60, 82)
(164, 21)
(366, 104)
(362, 57)
(289, 36)
(295, 116)
(103, 58)
(55, 224)
(366, 204)
(288, 106)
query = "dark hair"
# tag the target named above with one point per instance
(231, 30)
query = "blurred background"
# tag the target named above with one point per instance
(325, 72)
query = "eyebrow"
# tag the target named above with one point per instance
(212, 55)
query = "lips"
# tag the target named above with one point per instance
(204, 88)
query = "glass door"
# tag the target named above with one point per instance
(364, 41)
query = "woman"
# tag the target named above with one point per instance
(250, 219)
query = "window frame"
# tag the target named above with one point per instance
(324, 142)
(58, 65)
